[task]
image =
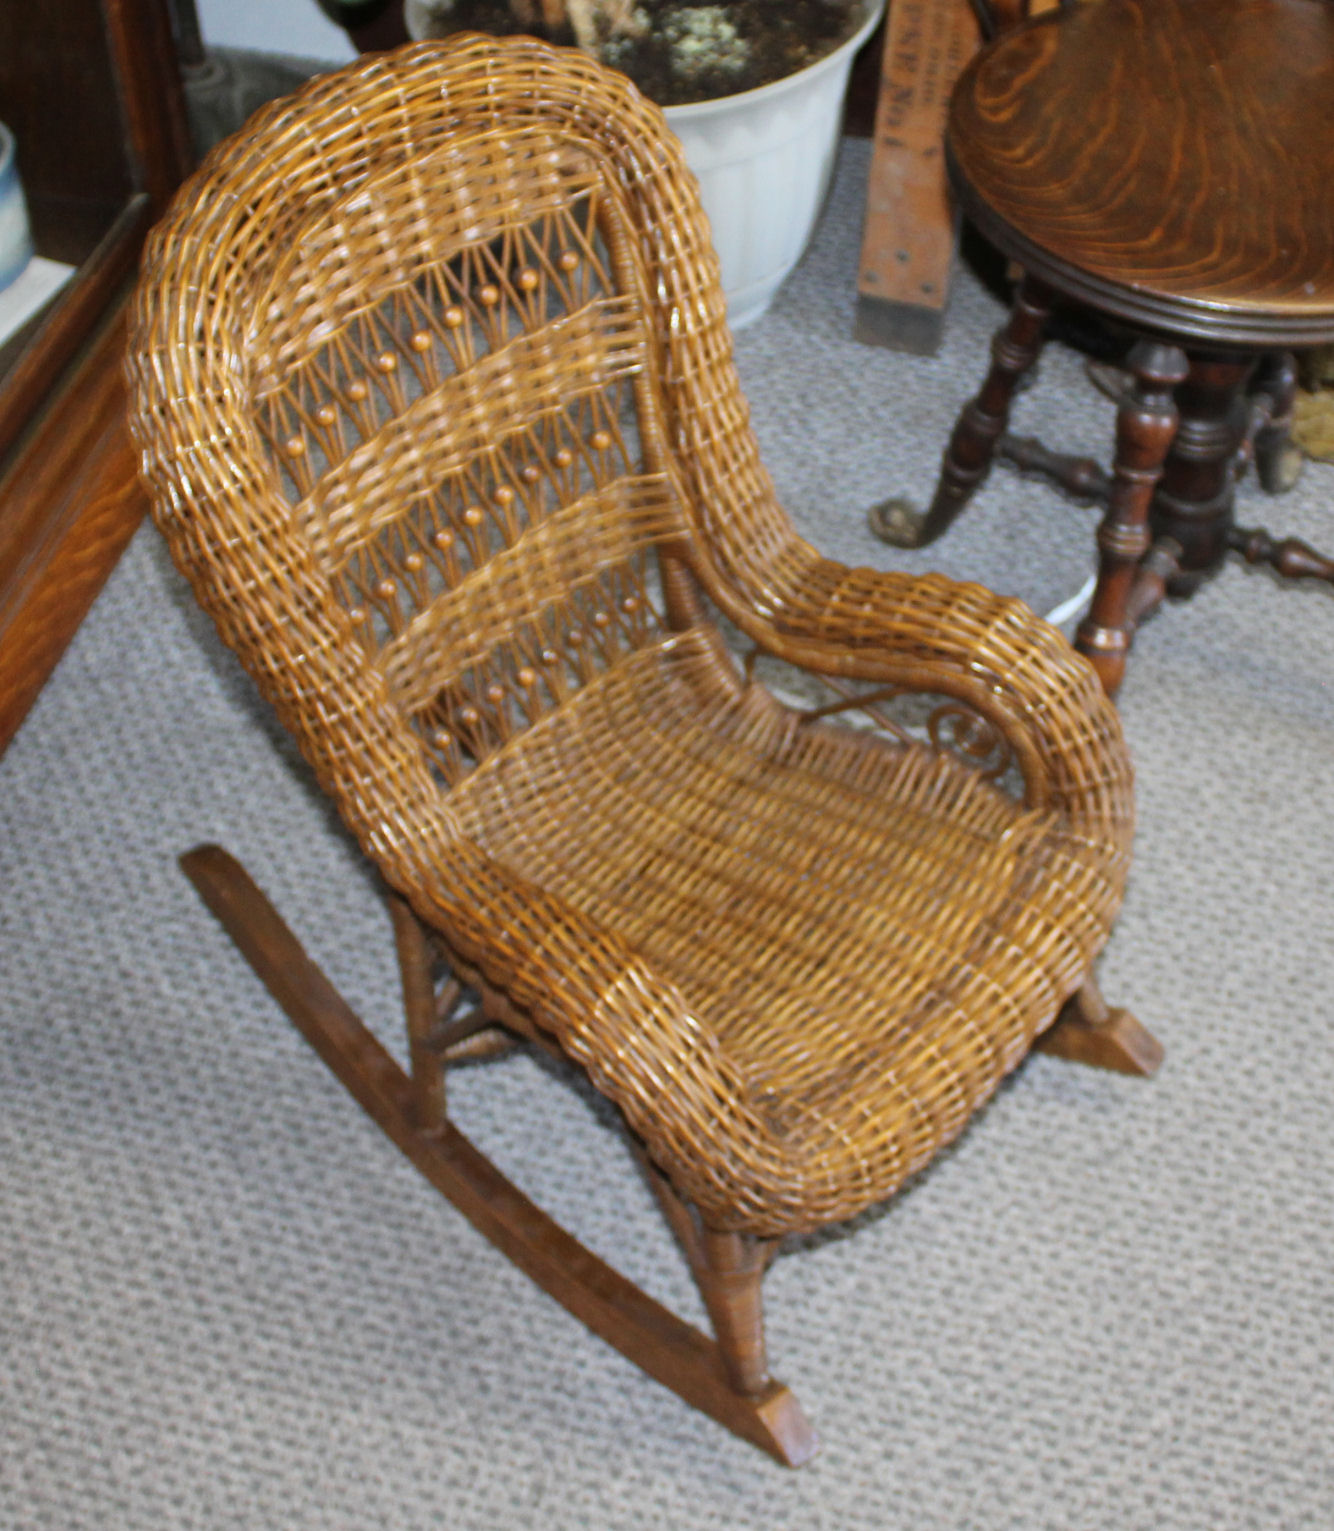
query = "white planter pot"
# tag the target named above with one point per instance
(763, 160)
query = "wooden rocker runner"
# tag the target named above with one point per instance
(436, 401)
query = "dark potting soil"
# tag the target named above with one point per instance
(690, 52)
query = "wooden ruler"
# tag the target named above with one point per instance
(911, 224)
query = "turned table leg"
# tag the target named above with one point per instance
(1145, 425)
(972, 445)
(1193, 505)
(1278, 458)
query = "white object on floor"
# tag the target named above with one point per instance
(1067, 611)
(40, 279)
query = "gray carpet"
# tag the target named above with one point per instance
(225, 1301)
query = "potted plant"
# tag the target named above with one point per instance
(754, 90)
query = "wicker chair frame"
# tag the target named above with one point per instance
(434, 391)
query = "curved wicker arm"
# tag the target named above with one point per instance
(930, 633)
(627, 1025)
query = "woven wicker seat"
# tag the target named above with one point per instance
(436, 401)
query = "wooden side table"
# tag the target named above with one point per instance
(1169, 164)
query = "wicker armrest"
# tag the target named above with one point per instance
(931, 633)
(991, 651)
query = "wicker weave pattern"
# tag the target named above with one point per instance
(412, 218)
(443, 430)
(427, 365)
(567, 550)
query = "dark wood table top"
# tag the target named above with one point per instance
(1170, 161)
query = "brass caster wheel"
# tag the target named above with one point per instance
(898, 523)
(1278, 471)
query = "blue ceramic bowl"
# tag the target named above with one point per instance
(15, 240)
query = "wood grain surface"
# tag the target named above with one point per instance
(68, 506)
(911, 226)
(1169, 160)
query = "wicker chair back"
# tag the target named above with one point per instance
(424, 317)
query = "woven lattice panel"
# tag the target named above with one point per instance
(451, 409)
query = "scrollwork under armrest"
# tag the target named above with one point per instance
(959, 640)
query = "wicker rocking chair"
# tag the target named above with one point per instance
(435, 395)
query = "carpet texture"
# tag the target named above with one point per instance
(225, 1300)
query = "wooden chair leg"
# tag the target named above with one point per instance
(972, 445)
(729, 1269)
(730, 1279)
(421, 1009)
(673, 1352)
(1086, 1031)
